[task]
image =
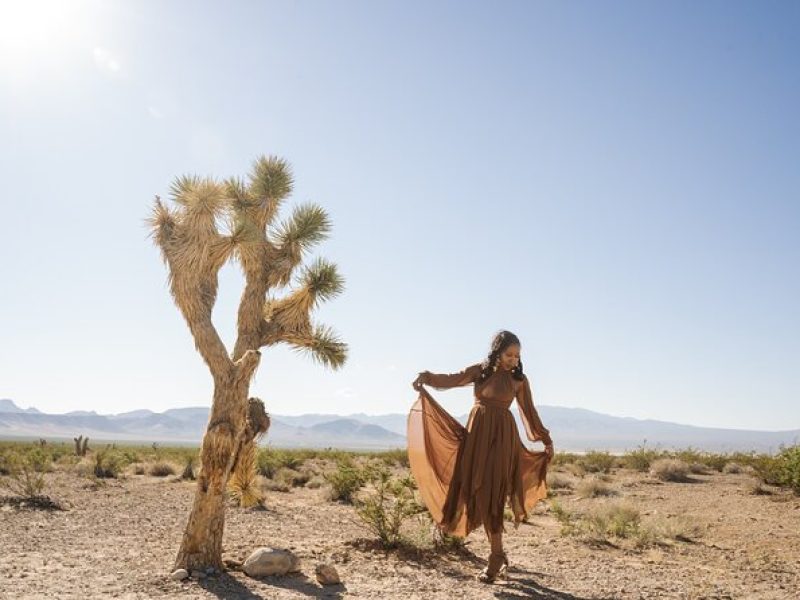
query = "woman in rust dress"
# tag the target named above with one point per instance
(467, 474)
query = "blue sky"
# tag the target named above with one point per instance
(617, 183)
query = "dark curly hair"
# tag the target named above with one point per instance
(501, 341)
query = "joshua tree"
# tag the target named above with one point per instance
(81, 445)
(214, 221)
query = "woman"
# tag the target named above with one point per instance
(466, 475)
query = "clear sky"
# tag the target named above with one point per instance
(618, 183)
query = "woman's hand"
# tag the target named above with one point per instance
(419, 381)
(548, 450)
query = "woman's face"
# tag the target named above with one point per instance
(509, 358)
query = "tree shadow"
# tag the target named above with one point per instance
(227, 587)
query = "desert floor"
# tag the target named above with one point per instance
(119, 539)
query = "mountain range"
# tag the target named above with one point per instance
(572, 429)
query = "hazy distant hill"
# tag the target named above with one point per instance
(573, 429)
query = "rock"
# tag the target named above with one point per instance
(179, 574)
(270, 561)
(327, 575)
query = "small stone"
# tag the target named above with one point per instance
(327, 575)
(179, 574)
(269, 561)
(198, 575)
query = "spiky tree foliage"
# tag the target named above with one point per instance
(209, 223)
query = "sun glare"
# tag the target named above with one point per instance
(31, 29)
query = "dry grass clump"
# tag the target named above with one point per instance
(732, 468)
(597, 462)
(614, 522)
(559, 482)
(161, 468)
(575, 469)
(697, 468)
(670, 469)
(593, 487)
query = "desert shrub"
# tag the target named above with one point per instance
(161, 468)
(732, 468)
(575, 469)
(291, 478)
(108, 464)
(271, 460)
(640, 458)
(316, 482)
(25, 473)
(273, 485)
(446, 542)
(593, 487)
(557, 481)
(188, 468)
(785, 469)
(243, 483)
(698, 468)
(386, 509)
(564, 458)
(397, 457)
(669, 469)
(139, 469)
(345, 481)
(597, 462)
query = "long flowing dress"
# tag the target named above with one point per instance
(467, 474)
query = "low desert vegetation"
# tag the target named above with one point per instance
(594, 487)
(670, 469)
(619, 522)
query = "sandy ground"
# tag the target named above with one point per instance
(119, 541)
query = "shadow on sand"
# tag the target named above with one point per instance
(228, 587)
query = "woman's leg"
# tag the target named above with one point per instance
(495, 540)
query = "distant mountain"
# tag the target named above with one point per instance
(573, 429)
(8, 406)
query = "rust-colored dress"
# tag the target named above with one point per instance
(466, 474)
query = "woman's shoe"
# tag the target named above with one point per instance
(497, 567)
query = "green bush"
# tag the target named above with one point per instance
(345, 481)
(108, 464)
(386, 509)
(640, 458)
(25, 472)
(786, 469)
(270, 461)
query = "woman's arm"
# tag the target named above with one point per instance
(450, 380)
(534, 428)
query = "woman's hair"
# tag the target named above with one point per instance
(502, 340)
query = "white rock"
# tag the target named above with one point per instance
(269, 561)
(327, 575)
(179, 574)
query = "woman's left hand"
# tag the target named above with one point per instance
(548, 450)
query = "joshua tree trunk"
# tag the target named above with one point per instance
(202, 539)
(194, 250)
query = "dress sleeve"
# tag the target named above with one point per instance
(530, 418)
(445, 381)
